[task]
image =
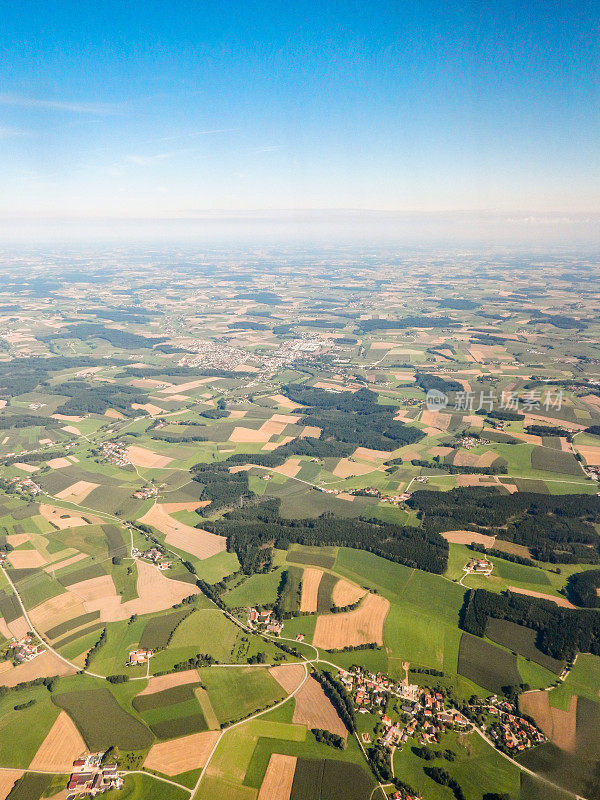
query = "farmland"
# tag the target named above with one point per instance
(219, 478)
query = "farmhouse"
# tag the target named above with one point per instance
(91, 777)
(140, 656)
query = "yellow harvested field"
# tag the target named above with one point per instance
(284, 419)
(310, 431)
(346, 468)
(198, 542)
(279, 777)
(43, 666)
(150, 408)
(591, 454)
(336, 387)
(67, 418)
(60, 748)
(72, 429)
(346, 593)
(536, 419)
(186, 387)
(274, 445)
(440, 451)
(311, 578)
(288, 676)
(349, 629)
(345, 496)
(94, 588)
(560, 601)
(25, 467)
(112, 413)
(465, 458)
(56, 610)
(182, 755)
(191, 505)
(271, 427)
(8, 778)
(558, 725)
(435, 419)
(66, 519)
(241, 435)
(284, 401)
(290, 468)
(468, 537)
(77, 492)
(472, 480)
(371, 455)
(314, 709)
(237, 413)
(148, 383)
(58, 463)
(155, 593)
(26, 559)
(18, 627)
(141, 457)
(66, 562)
(15, 539)
(162, 682)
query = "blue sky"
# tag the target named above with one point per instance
(134, 109)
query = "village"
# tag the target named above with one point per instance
(409, 711)
(115, 453)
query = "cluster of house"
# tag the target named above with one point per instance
(469, 442)
(36, 406)
(264, 621)
(145, 492)
(115, 453)
(25, 485)
(430, 716)
(152, 554)
(592, 472)
(510, 730)
(24, 649)
(139, 656)
(91, 777)
(479, 565)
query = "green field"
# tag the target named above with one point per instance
(487, 665)
(238, 692)
(101, 720)
(523, 641)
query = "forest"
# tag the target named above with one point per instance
(254, 530)
(556, 528)
(355, 418)
(582, 588)
(561, 632)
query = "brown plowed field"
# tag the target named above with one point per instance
(182, 755)
(279, 777)
(311, 578)
(61, 746)
(346, 593)
(196, 541)
(351, 628)
(314, 709)
(558, 725)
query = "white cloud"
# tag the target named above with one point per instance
(99, 109)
